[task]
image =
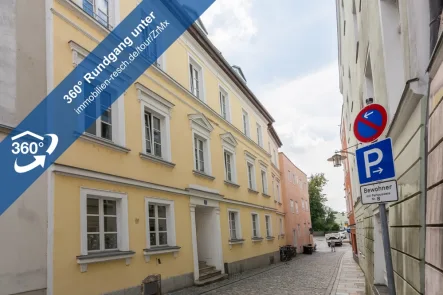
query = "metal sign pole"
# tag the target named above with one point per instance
(387, 249)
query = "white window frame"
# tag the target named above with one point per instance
(268, 224)
(245, 120)
(292, 206)
(250, 161)
(303, 204)
(277, 186)
(238, 227)
(192, 62)
(264, 182)
(118, 135)
(273, 188)
(122, 218)
(296, 207)
(160, 108)
(170, 221)
(201, 128)
(259, 135)
(257, 223)
(222, 91)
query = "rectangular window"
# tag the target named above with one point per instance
(289, 176)
(101, 215)
(273, 188)
(196, 79)
(246, 123)
(153, 135)
(275, 158)
(278, 193)
(264, 182)
(199, 154)
(268, 226)
(251, 176)
(296, 207)
(281, 226)
(228, 166)
(259, 136)
(102, 127)
(158, 229)
(303, 204)
(234, 225)
(98, 9)
(255, 226)
(224, 112)
(292, 205)
(160, 222)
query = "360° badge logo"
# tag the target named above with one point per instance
(32, 147)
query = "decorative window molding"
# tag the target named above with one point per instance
(201, 143)
(160, 227)
(155, 119)
(112, 121)
(103, 227)
(196, 80)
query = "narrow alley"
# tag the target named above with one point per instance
(323, 272)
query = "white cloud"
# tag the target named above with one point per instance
(229, 22)
(307, 113)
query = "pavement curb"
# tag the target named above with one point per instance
(333, 284)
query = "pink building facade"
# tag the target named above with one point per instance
(296, 204)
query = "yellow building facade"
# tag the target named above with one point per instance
(179, 177)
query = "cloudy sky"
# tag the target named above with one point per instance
(287, 50)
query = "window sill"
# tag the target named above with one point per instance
(157, 160)
(265, 195)
(280, 203)
(257, 239)
(236, 241)
(281, 236)
(84, 260)
(104, 142)
(200, 174)
(228, 183)
(253, 191)
(160, 250)
(270, 238)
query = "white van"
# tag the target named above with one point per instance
(336, 237)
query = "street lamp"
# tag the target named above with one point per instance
(336, 159)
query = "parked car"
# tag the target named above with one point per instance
(334, 236)
(343, 235)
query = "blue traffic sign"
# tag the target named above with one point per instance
(375, 162)
(370, 123)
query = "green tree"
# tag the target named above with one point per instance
(317, 201)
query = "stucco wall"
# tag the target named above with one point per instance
(298, 192)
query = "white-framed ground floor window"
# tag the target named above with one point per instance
(234, 225)
(160, 223)
(268, 226)
(104, 221)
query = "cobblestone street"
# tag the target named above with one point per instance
(306, 274)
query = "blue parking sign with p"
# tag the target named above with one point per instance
(375, 162)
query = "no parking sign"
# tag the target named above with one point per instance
(370, 123)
